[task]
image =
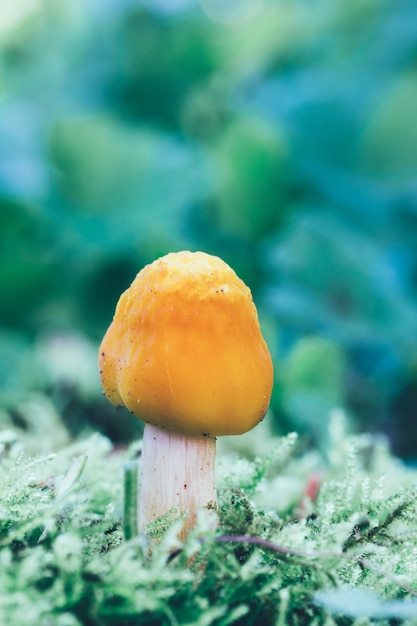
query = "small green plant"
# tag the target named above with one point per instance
(284, 554)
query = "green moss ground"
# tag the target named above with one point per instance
(346, 557)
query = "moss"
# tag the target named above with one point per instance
(284, 554)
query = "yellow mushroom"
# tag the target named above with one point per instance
(185, 354)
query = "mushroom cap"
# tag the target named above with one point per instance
(185, 351)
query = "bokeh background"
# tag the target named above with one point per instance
(278, 134)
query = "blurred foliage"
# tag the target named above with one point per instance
(278, 134)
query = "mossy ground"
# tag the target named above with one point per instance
(303, 538)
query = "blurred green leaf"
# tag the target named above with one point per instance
(390, 140)
(252, 163)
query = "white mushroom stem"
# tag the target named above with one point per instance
(177, 474)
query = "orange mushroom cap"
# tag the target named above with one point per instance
(185, 351)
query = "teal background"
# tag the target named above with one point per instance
(279, 135)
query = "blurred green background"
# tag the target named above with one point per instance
(280, 135)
